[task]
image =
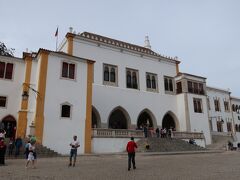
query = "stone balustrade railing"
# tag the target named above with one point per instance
(187, 135)
(116, 133)
(125, 133)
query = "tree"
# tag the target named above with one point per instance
(4, 51)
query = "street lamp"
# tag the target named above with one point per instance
(25, 95)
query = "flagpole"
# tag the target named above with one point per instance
(56, 42)
(56, 35)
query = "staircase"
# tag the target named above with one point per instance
(41, 150)
(166, 145)
(219, 142)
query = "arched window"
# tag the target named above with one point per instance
(233, 108)
(112, 75)
(153, 82)
(148, 81)
(134, 80)
(106, 74)
(170, 85)
(66, 111)
(236, 128)
(237, 108)
(129, 79)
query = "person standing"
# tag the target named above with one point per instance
(157, 132)
(10, 147)
(2, 152)
(18, 145)
(130, 148)
(73, 152)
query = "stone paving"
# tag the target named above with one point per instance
(113, 167)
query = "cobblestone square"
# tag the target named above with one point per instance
(151, 166)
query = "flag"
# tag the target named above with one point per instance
(56, 33)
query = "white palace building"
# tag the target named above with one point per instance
(102, 90)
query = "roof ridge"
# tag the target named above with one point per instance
(123, 44)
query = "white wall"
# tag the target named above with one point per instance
(133, 101)
(199, 121)
(109, 145)
(12, 88)
(224, 115)
(58, 132)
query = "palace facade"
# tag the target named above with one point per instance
(102, 90)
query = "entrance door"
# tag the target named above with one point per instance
(168, 122)
(9, 125)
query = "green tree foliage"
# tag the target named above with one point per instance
(4, 51)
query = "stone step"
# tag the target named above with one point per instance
(165, 145)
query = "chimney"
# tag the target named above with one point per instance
(147, 43)
(70, 29)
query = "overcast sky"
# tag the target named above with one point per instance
(204, 34)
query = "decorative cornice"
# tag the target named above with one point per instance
(122, 45)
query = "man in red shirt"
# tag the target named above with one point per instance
(131, 146)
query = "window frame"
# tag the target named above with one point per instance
(218, 107)
(151, 76)
(109, 82)
(6, 102)
(196, 109)
(168, 91)
(68, 70)
(5, 70)
(66, 104)
(131, 77)
(195, 87)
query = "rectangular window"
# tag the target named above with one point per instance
(196, 88)
(132, 78)
(168, 84)
(179, 87)
(151, 82)
(226, 106)
(3, 101)
(66, 111)
(110, 75)
(2, 69)
(219, 126)
(197, 104)
(217, 105)
(68, 70)
(6, 70)
(229, 126)
(208, 103)
(190, 87)
(201, 91)
(9, 71)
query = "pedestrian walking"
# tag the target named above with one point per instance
(31, 158)
(2, 152)
(73, 152)
(131, 148)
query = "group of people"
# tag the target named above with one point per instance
(163, 132)
(17, 144)
(31, 155)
